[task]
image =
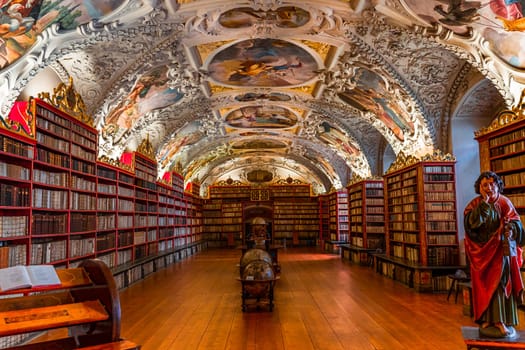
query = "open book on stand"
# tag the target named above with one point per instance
(20, 276)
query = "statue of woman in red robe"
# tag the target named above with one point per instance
(493, 240)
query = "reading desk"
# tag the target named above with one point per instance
(86, 302)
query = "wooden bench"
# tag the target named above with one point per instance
(86, 304)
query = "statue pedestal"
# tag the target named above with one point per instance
(475, 341)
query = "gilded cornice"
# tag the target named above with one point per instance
(505, 117)
(66, 99)
(116, 163)
(146, 149)
(402, 161)
(356, 179)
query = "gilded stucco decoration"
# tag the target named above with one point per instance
(65, 98)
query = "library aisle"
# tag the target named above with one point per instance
(321, 302)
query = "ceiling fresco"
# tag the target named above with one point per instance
(268, 91)
(500, 22)
(23, 20)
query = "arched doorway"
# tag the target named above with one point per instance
(259, 210)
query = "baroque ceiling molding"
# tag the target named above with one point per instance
(472, 49)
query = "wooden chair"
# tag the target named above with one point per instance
(86, 303)
(459, 277)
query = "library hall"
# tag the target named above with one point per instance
(262, 174)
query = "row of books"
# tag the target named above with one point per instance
(440, 215)
(81, 222)
(45, 252)
(106, 204)
(506, 138)
(443, 256)
(83, 201)
(145, 220)
(14, 171)
(514, 147)
(13, 254)
(16, 147)
(53, 158)
(50, 199)
(516, 179)
(12, 195)
(441, 226)
(429, 169)
(83, 184)
(46, 223)
(13, 226)
(81, 166)
(53, 141)
(507, 163)
(79, 247)
(47, 116)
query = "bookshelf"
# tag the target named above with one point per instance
(61, 205)
(290, 210)
(194, 218)
(222, 214)
(421, 241)
(324, 218)
(502, 150)
(296, 221)
(338, 220)
(366, 219)
(16, 162)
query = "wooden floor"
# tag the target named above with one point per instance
(321, 302)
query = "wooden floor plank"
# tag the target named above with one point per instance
(321, 302)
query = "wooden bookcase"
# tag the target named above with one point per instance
(338, 224)
(294, 216)
(502, 150)
(324, 218)
(420, 203)
(17, 152)
(222, 215)
(193, 218)
(367, 220)
(61, 205)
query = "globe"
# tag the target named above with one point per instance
(260, 272)
(252, 255)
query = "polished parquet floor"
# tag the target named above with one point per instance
(321, 302)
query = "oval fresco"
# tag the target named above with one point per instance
(22, 21)
(284, 17)
(258, 144)
(271, 117)
(500, 22)
(263, 63)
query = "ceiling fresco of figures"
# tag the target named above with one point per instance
(268, 91)
(23, 20)
(500, 22)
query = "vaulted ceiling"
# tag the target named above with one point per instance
(268, 91)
